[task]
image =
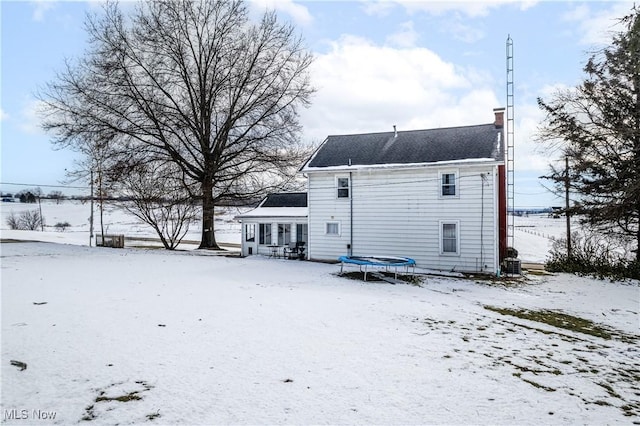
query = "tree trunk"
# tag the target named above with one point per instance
(208, 240)
(638, 231)
(638, 245)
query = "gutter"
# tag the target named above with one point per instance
(475, 161)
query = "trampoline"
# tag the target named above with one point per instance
(386, 262)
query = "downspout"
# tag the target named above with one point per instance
(496, 222)
(482, 179)
(350, 211)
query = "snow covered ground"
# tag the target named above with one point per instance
(131, 336)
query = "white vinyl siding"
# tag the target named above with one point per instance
(398, 212)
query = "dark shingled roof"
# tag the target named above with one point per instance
(285, 199)
(414, 146)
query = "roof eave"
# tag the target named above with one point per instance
(470, 161)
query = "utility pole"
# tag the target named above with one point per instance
(41, 218)
(91, 217)
(566, 204)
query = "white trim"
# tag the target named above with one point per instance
(440, 237)
(496, 219)
(458, 163)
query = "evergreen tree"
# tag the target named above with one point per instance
(597, 127)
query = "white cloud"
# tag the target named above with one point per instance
(465, 7)
(30, 117)
(407, 36)
(299, 13)
(380, 8)
(596, 26)
(3, 115)
(364, 87)
(529, 154)
(465, 33)
(40, 7)
(469, 8)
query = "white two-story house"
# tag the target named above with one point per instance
(437, 196)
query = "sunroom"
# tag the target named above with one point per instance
(278, 227)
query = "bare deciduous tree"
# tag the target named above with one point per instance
(156, 195)
(56, 195)
(194, 83)
(28, 220)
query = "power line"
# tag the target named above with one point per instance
(45, 186)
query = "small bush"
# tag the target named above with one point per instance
(27, 220)
(592, 254)
(61, 226)
(13, 221)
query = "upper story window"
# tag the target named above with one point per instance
(448, 183)
(342, 184)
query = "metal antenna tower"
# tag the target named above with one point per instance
(510, 157)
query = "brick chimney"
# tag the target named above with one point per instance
(499, 122)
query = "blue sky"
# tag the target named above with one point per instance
(414, 64)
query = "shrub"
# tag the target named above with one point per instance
(27, 220)
(592, 254)
(13, 221)
(62, 226)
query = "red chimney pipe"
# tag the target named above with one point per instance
(499, 112)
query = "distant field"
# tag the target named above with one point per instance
(116, 220)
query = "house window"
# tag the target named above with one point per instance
(332, 228)
(449, 238)
(343, 187)
(265, 233)
(448, 184)
(284, 234)
(302, 232)
(250, 232)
